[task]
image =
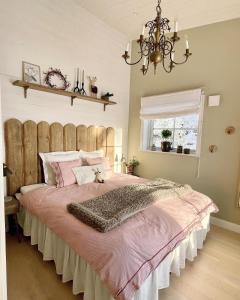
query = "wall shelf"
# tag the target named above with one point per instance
(32, 86)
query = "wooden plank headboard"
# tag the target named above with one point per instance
(23, 142)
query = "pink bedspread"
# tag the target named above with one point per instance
(125, 256)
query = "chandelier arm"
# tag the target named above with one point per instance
(164, 67)
(182, 62)
(135, 63)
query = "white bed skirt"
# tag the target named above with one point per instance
(85, 280)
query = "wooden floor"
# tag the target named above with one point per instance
(214, 274)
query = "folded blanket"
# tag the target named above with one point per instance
(111, 209)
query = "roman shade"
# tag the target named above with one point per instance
(171, 105)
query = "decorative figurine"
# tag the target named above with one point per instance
(93, 87)
(106, 96)
(98, 178)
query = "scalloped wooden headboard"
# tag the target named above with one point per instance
(23, 142)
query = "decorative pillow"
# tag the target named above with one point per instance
(47, 158)
(86, 174)
(91, 154)
(64, 173)
(96, 161)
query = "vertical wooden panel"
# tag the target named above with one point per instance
(69, 138)
(30, 152)
(14, 154)
(102, 139)
(56, 137)
(43, 145)
(91, 138)
(110, 145)
(82, 137)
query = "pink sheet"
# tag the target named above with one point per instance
(125, 256)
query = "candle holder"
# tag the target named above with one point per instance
(140, 40)
(188, 53)
(171, 66)
(175, 37)
(125, 55)
(144, 69)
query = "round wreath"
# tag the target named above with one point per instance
(56, 72)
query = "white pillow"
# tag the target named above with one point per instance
(86, 174)
(47, 158)
(28, 188)
(91, 154)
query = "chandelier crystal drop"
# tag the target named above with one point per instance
(157, 47)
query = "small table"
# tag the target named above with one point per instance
(12, 208)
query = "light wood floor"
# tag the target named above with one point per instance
(214, 274)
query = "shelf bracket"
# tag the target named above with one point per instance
(72, 98)
(105, 105)
(25, 91)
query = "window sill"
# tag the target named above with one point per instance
(172, 153)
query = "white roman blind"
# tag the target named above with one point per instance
(171, 105)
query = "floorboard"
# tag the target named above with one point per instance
(214, 274)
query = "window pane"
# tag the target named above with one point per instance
(163, 123)
(189, 121)
(186, 138)
(157, 137)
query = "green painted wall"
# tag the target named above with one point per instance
(215, 66)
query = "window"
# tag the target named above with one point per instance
(181, 113)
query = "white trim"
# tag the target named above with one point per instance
(171, 153)
(225, 224)
(3, 280)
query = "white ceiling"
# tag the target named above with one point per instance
(128, 16)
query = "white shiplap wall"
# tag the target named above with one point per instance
(64, 35)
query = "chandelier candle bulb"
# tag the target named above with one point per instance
(176, 26)
(144, 61)
(128, 46)
(173, 55)
(143, 30)
(187, 44)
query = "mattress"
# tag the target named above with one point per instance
(85, 280)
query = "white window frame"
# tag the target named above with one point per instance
(146, 130)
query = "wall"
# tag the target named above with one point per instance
(61, 34)
(215, 67)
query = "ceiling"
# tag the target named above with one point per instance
(128, 16)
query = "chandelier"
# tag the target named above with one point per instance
(157, 47)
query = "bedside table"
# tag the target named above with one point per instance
(11, 205)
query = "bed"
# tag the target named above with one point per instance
(116, 265)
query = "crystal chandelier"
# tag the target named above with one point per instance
(157, 47)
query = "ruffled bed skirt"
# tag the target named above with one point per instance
(85, 280)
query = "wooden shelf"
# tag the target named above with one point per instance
(26, 85)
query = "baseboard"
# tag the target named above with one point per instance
(225, 224)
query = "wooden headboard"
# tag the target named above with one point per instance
(23, 142)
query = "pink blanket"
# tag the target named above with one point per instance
(125, 256)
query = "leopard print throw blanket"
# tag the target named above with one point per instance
(111, 209)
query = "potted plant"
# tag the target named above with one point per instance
(131, 165)
(166, 145)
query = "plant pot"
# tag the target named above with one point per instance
(166, 146)
(130, 170)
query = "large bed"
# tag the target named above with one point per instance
(132, 261)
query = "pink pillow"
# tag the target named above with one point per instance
(96, 161)
(64, 173)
